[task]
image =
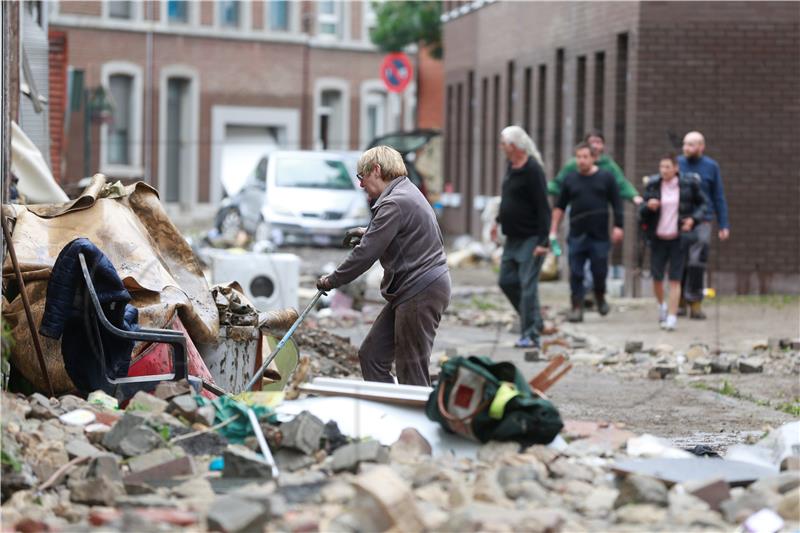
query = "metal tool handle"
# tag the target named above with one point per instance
(283, 341)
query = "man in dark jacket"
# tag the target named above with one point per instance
(588, 190)
(673, 206)
(524, 215)
(405, 236)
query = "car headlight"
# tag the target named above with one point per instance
(360, 211)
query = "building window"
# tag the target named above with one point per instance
(329, 18)
(541, 107)
(369, 19)
(121, 136)
(558, 120)
(621, 100)
(332, 114)
(119, 131)
(177, 11)
(495, 134)
(526, 104)
(229, 13)
(510, 94)
(580, 99)
(120, 9)
(599, 89)
(279, 15)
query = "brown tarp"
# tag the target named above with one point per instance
(153, 260)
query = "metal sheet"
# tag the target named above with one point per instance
(736, 473)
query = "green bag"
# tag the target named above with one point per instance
(484, 400)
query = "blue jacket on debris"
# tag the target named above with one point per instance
(64, 316)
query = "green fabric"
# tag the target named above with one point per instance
(227, 408)
(626, 190)
(527, 418)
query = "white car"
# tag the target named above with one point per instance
(312, 197)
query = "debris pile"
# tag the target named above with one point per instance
(159, 465)
(331, 355)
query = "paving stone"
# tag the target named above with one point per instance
(751, 365)
(636, 489)
(304, 433)
(235, 513)
(291, 460)
(81, 448)
(96, 491)
(166, 390)
(410, 446)
(140, 440)
(184, 405)
(178, 467)
(210, 443)
(494, 451)
(242, 463)
(393, 496)
(143, 401)
(634, 346)
(105, 466)
(789, 506)
(121, 429)
(348, 457)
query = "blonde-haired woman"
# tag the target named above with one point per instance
(405, 236)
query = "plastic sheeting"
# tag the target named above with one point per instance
(36, 182)
(153, 260)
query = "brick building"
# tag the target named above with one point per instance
(644, 73)
(201, 87)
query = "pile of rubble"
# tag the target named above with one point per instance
(164, 464)
(330, 355)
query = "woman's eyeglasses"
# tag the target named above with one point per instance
(360, 178)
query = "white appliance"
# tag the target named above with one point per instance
(270, 281)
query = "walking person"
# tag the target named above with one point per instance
(523, 217)
(405, 236)
(588, 191)
(604, 161)
(674, 205)
(695, 162)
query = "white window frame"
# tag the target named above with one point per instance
(341, 18)
(245, 17)
(189, 185)
(135, 169)
(391, 118)
(286, 119)
(334, 84)
(367, 16)
(194, 15)
(409, 107)
(137, 11)
(294, 18)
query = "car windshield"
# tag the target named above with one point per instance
(312, 174)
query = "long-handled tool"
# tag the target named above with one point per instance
(257, 376)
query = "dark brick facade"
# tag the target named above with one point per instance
(645, 73)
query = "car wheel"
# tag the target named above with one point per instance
(230, 224)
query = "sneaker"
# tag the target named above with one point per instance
(526, 342)
(670, 323)
(662, 312)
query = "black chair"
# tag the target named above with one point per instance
(126, 387)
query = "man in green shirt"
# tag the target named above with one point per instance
(626, 191)
(597, 141)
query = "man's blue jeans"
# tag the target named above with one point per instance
(519, 280)
(584, 248)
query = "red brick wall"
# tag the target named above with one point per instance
(430, 91)
(730, 70)
(57, 98)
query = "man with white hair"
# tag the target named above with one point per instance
(405, 236)
(524, 217)
(694, 162)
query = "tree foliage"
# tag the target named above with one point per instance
(404, 22)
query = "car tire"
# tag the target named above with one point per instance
(230, 224)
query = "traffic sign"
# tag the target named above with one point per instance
(396, 71)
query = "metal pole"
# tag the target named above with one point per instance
(27, 305)
(283, 341)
